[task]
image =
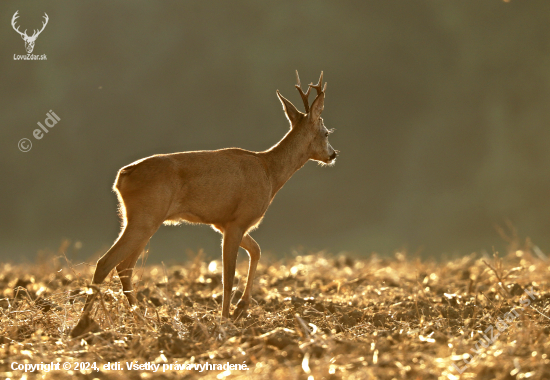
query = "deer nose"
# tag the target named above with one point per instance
(333, 156)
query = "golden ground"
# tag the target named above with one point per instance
(313, 317)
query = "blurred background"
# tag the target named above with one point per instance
(441, 110)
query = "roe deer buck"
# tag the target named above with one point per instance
(229, 189)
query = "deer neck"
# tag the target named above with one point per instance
(286, 157)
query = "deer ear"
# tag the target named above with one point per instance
(291, 112)
(317, 107)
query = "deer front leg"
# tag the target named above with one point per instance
(254, 253)
(232, 237)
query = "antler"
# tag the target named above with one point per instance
(15, 16)
(318, 85)
(305, 96)
(36, 33)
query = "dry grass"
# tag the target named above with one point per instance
(317, 316)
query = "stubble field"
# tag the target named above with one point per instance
(314, 316)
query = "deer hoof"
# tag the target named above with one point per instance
(84, 326)
(240, 310)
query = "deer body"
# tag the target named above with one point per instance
(230, 189)
(210, 187)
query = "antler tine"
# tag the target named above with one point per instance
(305, 96)
(15, 17)
(319, 85)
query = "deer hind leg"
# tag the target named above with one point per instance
(254, 254)
(232, 237)
(125, 272)
(131, 242)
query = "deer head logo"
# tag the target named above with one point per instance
(29, 40)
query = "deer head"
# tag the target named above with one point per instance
(311, 123)
(29, 40)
